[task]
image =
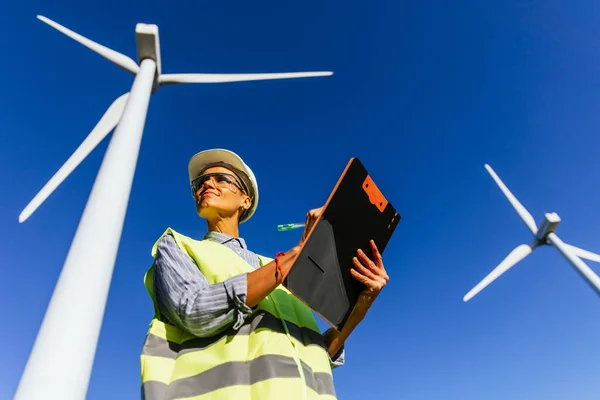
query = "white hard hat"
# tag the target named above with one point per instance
(201, 160)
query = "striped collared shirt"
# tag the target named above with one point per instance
(186, 298)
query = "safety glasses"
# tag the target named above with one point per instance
(221, 180)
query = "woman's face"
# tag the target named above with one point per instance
(219, 194)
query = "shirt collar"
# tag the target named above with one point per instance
(223, 238)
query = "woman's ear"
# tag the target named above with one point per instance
(244, 206)
(246, 203)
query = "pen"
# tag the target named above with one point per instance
(289, 227)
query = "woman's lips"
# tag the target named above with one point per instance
(208, 193)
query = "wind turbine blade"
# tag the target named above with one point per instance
(586, 272)
(120, 59)
(168, 79)
(581, 253)
(109, 120)
(522, 211)
(514, 257)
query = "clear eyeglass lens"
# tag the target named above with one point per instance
(222, 181)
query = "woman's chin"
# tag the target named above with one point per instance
(206, 207)
(206, 202)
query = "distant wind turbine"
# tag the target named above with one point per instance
(60, 363)
(543, 235)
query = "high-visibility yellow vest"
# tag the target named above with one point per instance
(278, 353)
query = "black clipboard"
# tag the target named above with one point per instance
(355, 213)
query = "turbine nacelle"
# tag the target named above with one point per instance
(148, 47)
(547, 226)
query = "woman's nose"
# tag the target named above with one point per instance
(209, 183)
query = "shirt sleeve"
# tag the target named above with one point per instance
(186, 298)
(339, 358)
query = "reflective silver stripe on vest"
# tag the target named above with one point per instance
(158, 347)
(153, 390)
(239, 373)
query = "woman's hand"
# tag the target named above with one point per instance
(372, 274)
(311, 219)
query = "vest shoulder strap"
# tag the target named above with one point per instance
(179, 238)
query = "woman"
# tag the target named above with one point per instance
(224, 327)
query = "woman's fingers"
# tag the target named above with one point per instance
(372, 285)
(376, 269)
(370, 272)
(367, 277)
(378, 261)
(314, 214)
(360, 267)
(311, 218)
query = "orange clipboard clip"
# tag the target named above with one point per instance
(375, 196)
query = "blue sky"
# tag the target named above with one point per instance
(424, 93)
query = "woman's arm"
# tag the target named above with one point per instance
(188, 300)
(264, 280)
(373, 275)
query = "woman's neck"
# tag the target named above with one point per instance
(228, 226)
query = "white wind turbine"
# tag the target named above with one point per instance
(543, 235)
(61, 360)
